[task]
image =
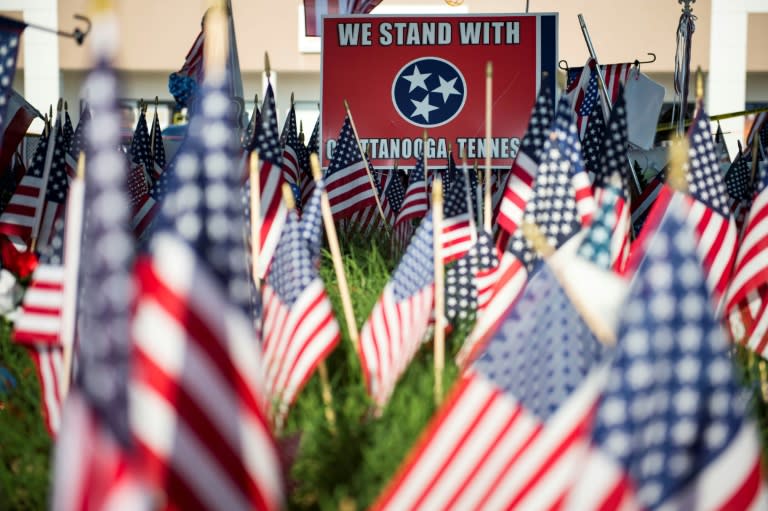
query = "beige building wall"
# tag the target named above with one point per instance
(156, 34)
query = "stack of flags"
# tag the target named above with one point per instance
(198, 338)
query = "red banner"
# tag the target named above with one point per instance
(402, 75)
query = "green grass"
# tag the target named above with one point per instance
(344, 467)
(25, 446)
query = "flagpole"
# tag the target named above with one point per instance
(365, 162)
(439, 342)
(604, 90)
(338, 265)
(255, 216)
(424, 138)
(488, 122)
(468, 195)
(325, 385)
(478, 194)
(72, 242)
(40, 203)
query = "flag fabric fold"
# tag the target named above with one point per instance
(396, 326)
(271, 177)
(39, 324)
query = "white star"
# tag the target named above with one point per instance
(417, 79)
(422, 108)
(447, 88)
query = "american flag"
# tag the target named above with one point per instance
(272, 210)
(39, 323)
(566, 133)
(519, 188)
(596, 245)
(18, 218)
(158, 149)
(77, 144)
(709, 209)
(469, 282)
(511, 434)
(184, 83)
(254, 124)
(671, 430)
(459, 232)
(738, 183)
(199, 393)
(499, 179)
(146, 209)
(10, 33)
(96, 429)
(141, 145)
(138, 188)
(750, 275)
(394, 331)
(369, 219)
(140, 165)
(394, 195)
(414, 206)
(722, 150)
(613, 171)
(347, 181)
(758, 130)
(640, 208)
(416, 202)
(56, 190)
(553, 209)
(584, 88)
(19, 114)
(313, 147)
(298, 326)
(315, 10)
(68, 130)
(592, 144)
(291, 153)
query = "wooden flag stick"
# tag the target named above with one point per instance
(478, 193)
(325, 385)
(468, 193)
(678, 159)
(255, 216)
(424, 139)
(325, 389)
(338, 265)
(602, 332)
(488, 122)
(72, 240)
(365, 162)
(439, 344)
(216, 42)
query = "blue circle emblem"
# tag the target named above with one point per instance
(429, 92)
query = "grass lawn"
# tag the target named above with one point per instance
(334, 468)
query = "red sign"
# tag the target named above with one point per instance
(402, 75)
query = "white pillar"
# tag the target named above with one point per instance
(727, 87)
(41, 53)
